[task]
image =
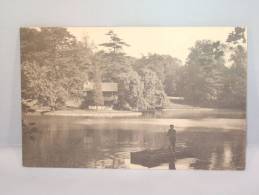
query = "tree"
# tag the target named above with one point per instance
(204, 73)
(97, 79)
(50, 68)
(153, 90)
(130, 91)
(140, 90)
(235, 82)
(237, 37)
(114, 59)
(166, 68)
(116, 44)
(37, 86)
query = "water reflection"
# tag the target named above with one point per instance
(60, 143)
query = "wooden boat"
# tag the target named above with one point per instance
(152, 158)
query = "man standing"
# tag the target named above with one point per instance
(172, 138)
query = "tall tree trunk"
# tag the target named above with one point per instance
(98, 94)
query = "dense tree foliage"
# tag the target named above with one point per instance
(207, 79)
(55, 66)
(153, 90)
(140, 86)
(204, 73)
(51, 70)
(167, 69)
(130, 91)
(235, 82)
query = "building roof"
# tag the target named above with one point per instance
(106, 86)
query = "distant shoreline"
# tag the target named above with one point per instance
(87, 113)
(190, 113)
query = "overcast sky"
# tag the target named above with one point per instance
(174, 41)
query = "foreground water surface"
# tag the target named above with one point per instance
(52, 141)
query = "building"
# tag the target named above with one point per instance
(109, 90)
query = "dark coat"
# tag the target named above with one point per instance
(171, 136)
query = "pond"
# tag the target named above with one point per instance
(211, 143)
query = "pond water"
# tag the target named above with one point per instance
(212, 143)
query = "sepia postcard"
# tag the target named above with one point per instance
(134, 97)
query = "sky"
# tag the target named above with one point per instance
(174, 41)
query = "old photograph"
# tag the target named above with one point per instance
(170, 98)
